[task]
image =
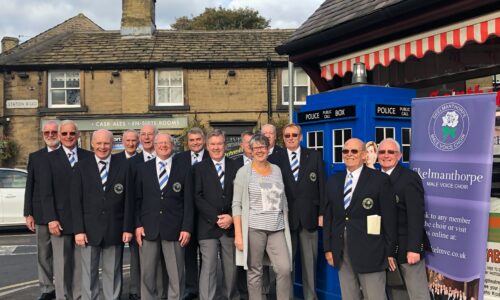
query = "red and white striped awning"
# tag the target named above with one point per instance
(456, 35)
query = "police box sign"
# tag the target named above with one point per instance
(399, 111)
(327, 114)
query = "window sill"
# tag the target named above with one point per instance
(169, 108)
(50, 110)
(283, 107)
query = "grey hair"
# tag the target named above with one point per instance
(269, 125)
(130, 131)
(49, 122)
(391, 140)
(66, 122)
(259, 138)
(216, 132)
(164, 134)
(196, 130)
(245, 133)
(109, 133)
(155, 130)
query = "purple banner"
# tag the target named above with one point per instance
(451, 150)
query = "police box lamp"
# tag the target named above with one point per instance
(359, 73)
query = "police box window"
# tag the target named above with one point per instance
(340, 136)
(315, 140)
(383, 133)
(405, 143)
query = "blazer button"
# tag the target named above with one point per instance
(161, 212)
(103, 212)
(347, 218)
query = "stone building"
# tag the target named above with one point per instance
(120, 79)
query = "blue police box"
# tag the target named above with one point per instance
(367, 112)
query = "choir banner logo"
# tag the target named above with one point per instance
(449, 126)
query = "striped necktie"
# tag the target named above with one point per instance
(163, 177)
(348, 190)
(104, 174)
(72, 158)
(220, 173)
(295, 166)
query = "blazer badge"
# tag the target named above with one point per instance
(118, 188)
(367, 203)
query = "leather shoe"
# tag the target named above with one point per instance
(48, 296)
(133, 297)
(190, 296)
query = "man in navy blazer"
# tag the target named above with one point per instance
(303, 175)
(33, 209)
(275, 151)
(213, 197)
(102, 201)
(56, 206)
(196, 153)
(164, 217)
(360, 225)
(130, 141)
(412, 240)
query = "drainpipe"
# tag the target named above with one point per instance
(269, 91)
(291, 91)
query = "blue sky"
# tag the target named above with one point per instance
(27, 18)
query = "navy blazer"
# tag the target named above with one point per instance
(164, 214)
(409, 190)
(56, 187)
(306, 196)
(211, 200)
(373, 195)
(102, 214)
(32, 198)
(276, 156)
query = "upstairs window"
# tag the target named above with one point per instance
(301, 86)
(169, 88)
(64, 89)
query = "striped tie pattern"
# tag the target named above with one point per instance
(348, 190)
(195, 159)
(149, 157)
(104, 173)
(72, 158)
(220, 173)
(163, 177)
(295, 166)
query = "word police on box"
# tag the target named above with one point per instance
(384, 110)
(327, 114)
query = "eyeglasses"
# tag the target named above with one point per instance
(47, 133)
(288, 135)
(259, 148)
(391, 152)
(353, 151)
(71, 133)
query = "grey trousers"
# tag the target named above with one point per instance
(67, 273)
(111, 272)
(274, 244)
(191, 264)
(44, 256)
(174, 263)
(372, 284)
(209, 249)
(308, 243)
(417, 287)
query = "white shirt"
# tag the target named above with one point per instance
(73, 152)
(246, 159)
(146, 154)
(389, 172)
(355, 177)
(107, 161)
(127, 156)
(290, 155)
(50, 149)
(222, 162)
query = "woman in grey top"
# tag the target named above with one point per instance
(260, 216)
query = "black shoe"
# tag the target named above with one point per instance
(190, 296)
(133, 297)
(48, 296)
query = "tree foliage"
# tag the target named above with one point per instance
(223, 19)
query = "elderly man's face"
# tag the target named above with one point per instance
(195, 142)
(130, 142)
(69, 136)
(50, 136)
(102, 143)
(388, 155)
(292, 138)
(147, 137)
(353, 154)
(163, 146)
(245, 145)
(216, 147)
(270, 133)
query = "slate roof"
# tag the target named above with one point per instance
(335, 12)
(166, 46)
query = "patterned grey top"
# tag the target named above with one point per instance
(266, 202)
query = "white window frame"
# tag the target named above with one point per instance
(342, 130)
(50, 89)
(385, 133)
(284, 75)
(180, 103)
(314, 135)
(405, 145)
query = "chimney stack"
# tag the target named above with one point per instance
(9, 42)
(138, 18)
